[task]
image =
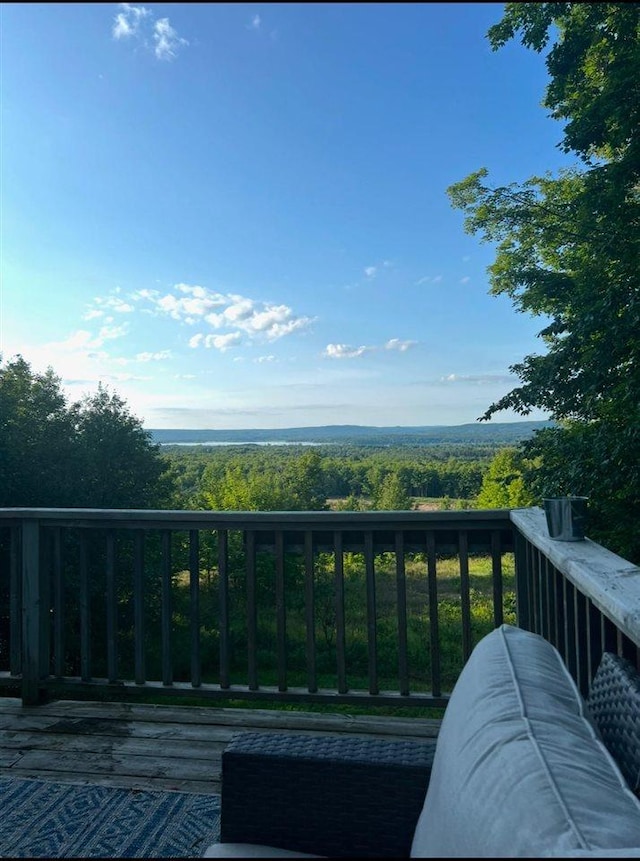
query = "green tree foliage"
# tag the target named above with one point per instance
(243, 485)
(117, 465)
(36, 433)
(93, 453)
(272, 478)
(503, 485)
(567, 249)
(392, 494)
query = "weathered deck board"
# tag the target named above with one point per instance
(156, 746)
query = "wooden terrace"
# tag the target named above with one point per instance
(84, 593)
(157, 747)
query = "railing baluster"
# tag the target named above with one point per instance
(138, 607)
(434, 631)
(112, 610)
(194, 606)
(372, 628)
(496, 572)
(341, 647)
(58, 605)
(523, 612)
(223, 595)
(560, 616)
(167, 663)
(581, 638)
(594, 639)
(401, 592)
(312, 681)
(609, 635)
(32, 610)
(551, 604)
(281, 612)
(544, 597)
(252, 611)
(538, 603)
(465, 594)
(531, 586)
(85, 609)
(570, 626)
(15, 603)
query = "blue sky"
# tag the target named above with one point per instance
(235, 215)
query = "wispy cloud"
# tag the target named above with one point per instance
(157, 35)
(346, 351)
(81, 339)
(428, 279)
(256, 21)
(477, 378)
(465, 279)
(154, 357)
(167, 41)
(401, 346)
(108, 305)
(372, 271)
(127, 21)
(218, 342)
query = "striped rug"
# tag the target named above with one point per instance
(41, 819)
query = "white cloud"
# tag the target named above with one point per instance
(157, 35)
(223, 342)
(218, 342)
(257, 320)
(344, 351)
(262, 359)
(153, 357)
(397, 344)
(255, 23)
(370, 271)
(166, 39)
(465, 280)
(108, 304)
(477, 378)
(84, 340)
(127, 21)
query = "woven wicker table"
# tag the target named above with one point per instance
(338, 797)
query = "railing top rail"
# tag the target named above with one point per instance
(116, 517)
(609, 581)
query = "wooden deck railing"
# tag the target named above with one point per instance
(578, 595)
(375, 607)
(319, 606)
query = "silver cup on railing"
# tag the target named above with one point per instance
(566, 517)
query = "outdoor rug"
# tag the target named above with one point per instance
(60, 820)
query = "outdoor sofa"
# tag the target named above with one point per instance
(522, 767)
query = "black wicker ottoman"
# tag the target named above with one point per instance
(338, 797)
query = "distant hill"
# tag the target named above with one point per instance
(481, 433)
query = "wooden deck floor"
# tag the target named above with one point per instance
(156, 746)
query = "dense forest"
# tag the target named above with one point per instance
(304, 478)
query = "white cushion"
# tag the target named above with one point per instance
(519, 770)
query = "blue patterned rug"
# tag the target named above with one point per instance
(59, 820)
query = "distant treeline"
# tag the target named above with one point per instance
(296, 477)
(494, 433)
